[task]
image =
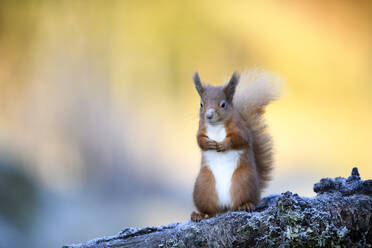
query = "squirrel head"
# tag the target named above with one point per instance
(216, 102)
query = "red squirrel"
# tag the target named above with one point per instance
(236, 149)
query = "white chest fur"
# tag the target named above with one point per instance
(216, 132)
(222, 164)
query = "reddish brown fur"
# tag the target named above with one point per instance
(205, 196)
(244, 185)
(237, 134)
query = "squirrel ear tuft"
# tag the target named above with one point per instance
(229, 89)
(198, 84)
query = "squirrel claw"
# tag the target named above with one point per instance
(249, 207)
(196, 217)
(212, 145)
(220, 147)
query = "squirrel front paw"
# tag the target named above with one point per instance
(223, 146)
(211, 144)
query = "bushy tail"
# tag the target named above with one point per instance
(255, 90)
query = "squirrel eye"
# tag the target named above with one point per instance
(201, 105)
(223, 104)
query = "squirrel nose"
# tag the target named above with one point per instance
(209, 113)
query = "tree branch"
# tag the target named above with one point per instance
(340, 214)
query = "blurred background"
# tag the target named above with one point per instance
(98, 112)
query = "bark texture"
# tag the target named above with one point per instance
(340, 215)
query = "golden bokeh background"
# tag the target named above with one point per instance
(98, 109)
